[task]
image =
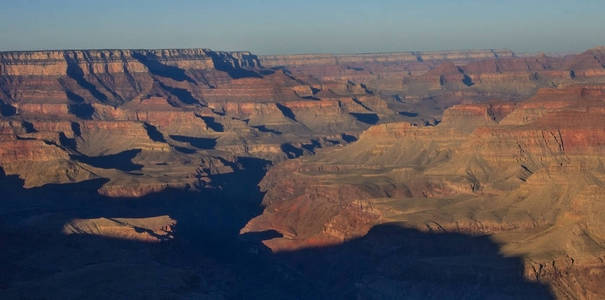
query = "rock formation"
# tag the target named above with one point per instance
(161, 151)
(528, 174)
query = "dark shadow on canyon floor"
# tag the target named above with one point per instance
(81, 110)
(368, 118)
(208, 258)
(197, 142)
(121, 161)
(7, 110)
(394, 262)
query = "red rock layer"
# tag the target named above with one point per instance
(529, 172)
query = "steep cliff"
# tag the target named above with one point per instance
(531, 175)
(129, 147)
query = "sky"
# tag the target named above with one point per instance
(304, 26)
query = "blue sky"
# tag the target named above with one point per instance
(310, 26)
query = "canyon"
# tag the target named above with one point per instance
(193, 173)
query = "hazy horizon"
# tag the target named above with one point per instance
(274, 27)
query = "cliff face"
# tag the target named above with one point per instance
(55, 63)
(420, 75)
(115, 76)
(531, 175)
(394, 58)
(161, 143)
(162, 100)
(174, 103)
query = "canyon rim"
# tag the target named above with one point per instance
(327, 159)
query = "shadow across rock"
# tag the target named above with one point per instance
(197, 142)
(121, 161)
(225, 62)
(368, 118)
(394, 262)
(208, 258)
(155, 67)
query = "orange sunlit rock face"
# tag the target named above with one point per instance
(158, 157)
(510, 170)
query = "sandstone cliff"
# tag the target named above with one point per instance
(530, 175)
(126, 147)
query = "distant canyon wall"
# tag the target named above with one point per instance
(391, 58)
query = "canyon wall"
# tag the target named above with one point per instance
(468, 142)
(529, 174)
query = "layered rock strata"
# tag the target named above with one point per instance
(528, 174)
(445, 144)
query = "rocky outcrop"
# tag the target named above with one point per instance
(527, 174)
(153, 230)
(152, 145)
(55, 62)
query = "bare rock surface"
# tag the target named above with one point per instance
(141, 174)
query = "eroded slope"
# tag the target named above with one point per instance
(530, 175)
